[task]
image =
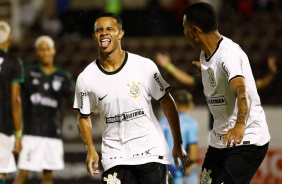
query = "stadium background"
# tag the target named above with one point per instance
(150, 26)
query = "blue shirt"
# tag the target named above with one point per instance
(189, 132)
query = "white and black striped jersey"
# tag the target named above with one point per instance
(229, 61)
(132, 134)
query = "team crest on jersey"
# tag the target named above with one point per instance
(56, 84)
(205, 177)
(134, 90)
(35, 81)
(211, 77)
(112, 179)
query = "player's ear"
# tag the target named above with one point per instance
(195, 29)
(120, 34)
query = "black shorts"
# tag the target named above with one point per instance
(149, 173)
(232, 165)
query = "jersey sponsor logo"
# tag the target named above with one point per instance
(126, 116)
(100, 99)
(216, 101)
(211, 77)
(221, 137)
(1, 62)
(205, 176)
(38, 99)
(82, 95)
(158, 81)
(56, 84)
(225, 69)
(112, 179)
(134, 90)
(142, 154)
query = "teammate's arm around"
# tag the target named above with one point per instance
(85, 131)
(244, 101)
(169, 109)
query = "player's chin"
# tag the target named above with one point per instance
(107, 51)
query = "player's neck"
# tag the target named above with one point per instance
(48, 68)
(210, 43)
(4, 47)
(111, 62)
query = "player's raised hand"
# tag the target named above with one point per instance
(163, 59)
(198, 65)
(179, 152)
(92, 158)
(271, 61)
(234, 135)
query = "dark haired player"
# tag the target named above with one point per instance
(239, 141)
(121, 85)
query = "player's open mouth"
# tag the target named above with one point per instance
(105, 43)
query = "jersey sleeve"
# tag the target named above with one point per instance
(18, 72)
(157, 86)
(231, 64)
(82, 99)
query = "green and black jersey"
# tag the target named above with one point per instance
(11, 71)
(43, 96)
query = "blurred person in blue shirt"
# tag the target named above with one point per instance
(189, 132)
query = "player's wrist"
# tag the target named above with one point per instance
(89, 148)
(18, 133)
(169, 67)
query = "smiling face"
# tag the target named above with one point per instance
(45, 53)
(107, 34)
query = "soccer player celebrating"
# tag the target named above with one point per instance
(239, 141)
(44, 89)
(11, 75)
(121, 85)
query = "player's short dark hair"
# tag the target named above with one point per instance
(202, 15)
(108, 14)
(183, 97)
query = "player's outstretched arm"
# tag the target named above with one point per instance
(268, 78)
(16, 105)
(85, 131)
(244, 101)
(164, 61)
(169, 109)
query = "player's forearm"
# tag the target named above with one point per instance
(244, 105)
(265, 81)
(17, 114)
(85, 131)
(16, 107)
(193, 152)
(170, 111)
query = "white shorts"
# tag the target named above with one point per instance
(41, 153)
(7, 159)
